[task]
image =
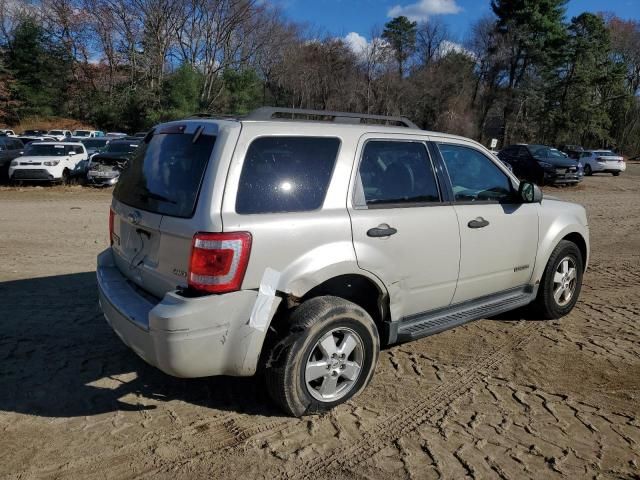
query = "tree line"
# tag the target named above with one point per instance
(525, 73)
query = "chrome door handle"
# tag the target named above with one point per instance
(478, 223)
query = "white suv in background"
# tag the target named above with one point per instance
(602, 161)
(87, 134)
(59, 134)
(48, 161)
(297, 243)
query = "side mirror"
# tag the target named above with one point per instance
(529, 192)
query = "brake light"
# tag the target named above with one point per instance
(111, 226)
(218, 261)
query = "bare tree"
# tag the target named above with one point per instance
(429, 38)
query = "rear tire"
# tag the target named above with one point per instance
(561, 282)
(328, 356)
(587, 170)
(65, 177)
(615, 174)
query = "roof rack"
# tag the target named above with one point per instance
(276, 113)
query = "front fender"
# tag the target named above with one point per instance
(556, 224)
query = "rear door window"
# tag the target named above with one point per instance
(286, 174)
(396, 173)
(165, 173)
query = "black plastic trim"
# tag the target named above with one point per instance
(435, 321)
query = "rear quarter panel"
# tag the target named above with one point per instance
(305, 247)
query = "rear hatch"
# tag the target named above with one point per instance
(154, 200)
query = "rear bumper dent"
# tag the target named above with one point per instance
(183, 337)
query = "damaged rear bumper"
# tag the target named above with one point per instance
(183, 337)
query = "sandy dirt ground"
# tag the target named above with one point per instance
(505, 398)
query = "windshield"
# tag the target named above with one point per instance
(94, 143)
(121, 147)
(540, 151)
(56, 132)
(165, 173)
(39, 150)
(81, 133)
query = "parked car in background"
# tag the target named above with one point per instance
(392, 234)
(48, 161)
(602, 161)
(106, 166)
(116, 134)
(506, 164)
(59, 134)
(7, 132)
(95, 145)
(140, 135)
(35, 138)
(87, 133)
(34, 133)
(572, 151)
(541, 164)
(10, 148)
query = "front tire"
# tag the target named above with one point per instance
(561, 282)
(615, 174)
(328, 356)
(587, 170)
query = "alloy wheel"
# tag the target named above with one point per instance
(564, 281)
(334, 365)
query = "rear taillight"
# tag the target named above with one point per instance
(218, 261)
(111, 226)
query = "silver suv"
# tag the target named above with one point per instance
(297, 243)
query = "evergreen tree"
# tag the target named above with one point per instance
(41, 70)
(400, 32)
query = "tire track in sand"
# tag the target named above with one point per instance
(410, 418)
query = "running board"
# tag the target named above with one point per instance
(436, 321)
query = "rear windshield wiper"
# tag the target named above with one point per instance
(156, 196)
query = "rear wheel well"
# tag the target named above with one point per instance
(354, 288)
(357, 289)
(578, 240)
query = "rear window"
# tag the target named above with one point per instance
(94, 142)
(165, 174)
(286, 174)
(122, 147)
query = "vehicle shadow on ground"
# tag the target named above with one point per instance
(61, 359)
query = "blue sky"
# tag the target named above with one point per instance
(340, 17)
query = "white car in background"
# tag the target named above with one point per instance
(7, 132)
(602, 161)
(59, 134)
(87, 133)
(48, 161)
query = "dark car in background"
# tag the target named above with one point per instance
(106, 166)
(541, 164)
(34, 133)
(10, 148)
(95, 145)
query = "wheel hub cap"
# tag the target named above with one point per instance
(564, 281)
(334, 365)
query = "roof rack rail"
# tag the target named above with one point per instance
(213, 116)
(277, 113)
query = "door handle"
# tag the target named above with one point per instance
(478, 223)
(382, 230)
